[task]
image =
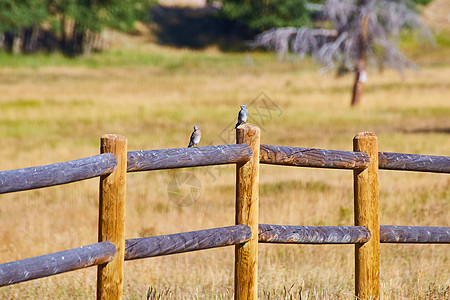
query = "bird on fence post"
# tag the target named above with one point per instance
(242, 116)
(195, 137)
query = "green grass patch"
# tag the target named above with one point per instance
(438, 111)
(285, 186)
(443, 39)
(23, 128)
(20, 104)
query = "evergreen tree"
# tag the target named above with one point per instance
(259, 15)
(77, 23)
(85, 19)
(19, 23)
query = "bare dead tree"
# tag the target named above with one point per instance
(364, 31)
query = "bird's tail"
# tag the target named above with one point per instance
(191, 143)
(237, 124)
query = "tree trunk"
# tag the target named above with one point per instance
(17, 42)
(360, 77)
(358, 86)
(2, 40)
(75, 46)
(31, 36)
(34, 38)
(62, 22)
(88, 42)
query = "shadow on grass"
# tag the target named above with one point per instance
(444, 130)
(197, 28)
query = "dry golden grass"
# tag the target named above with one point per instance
(58, 112)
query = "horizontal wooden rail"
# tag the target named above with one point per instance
(414, 234)
(313, 234)
(56, 263)
(187, 157)
(103, 252)
(336, 159)
(351, 234)
(186, 241)
(315, 158)
(414, 162)
(55, 174)
(89, 167)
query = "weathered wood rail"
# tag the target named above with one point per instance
(187, 157)
(56, 174)
(352, 234)
(56, 263)
(90, 167)
(414, 234)
(314, 158)
(336, 159)
(414, 162)
(139, 248)
(103, 252)
(186, 242)
(112, 250)
(313, 234)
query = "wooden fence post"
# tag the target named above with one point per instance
(366, 197)
(111, 224)
(247, 202)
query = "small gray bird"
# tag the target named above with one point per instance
(195, 137)
(242, 116)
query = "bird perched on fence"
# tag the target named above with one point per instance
(195, 137)
(242, 116)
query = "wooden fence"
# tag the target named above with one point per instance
(113, 249)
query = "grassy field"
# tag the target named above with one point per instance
(55, 109)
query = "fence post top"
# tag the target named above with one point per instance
(365, 134)
(248, 133)
(247, 126)
(113, 136)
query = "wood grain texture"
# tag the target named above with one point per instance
(247, 202)
(90, 167)
(366, 206)
(313, 234)
(56, 263)
(187, 157)
(414, 234)
(103, 252)
(186, 241)
(56, 174)
(111, 225)
(414, 162)
(315, 158)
